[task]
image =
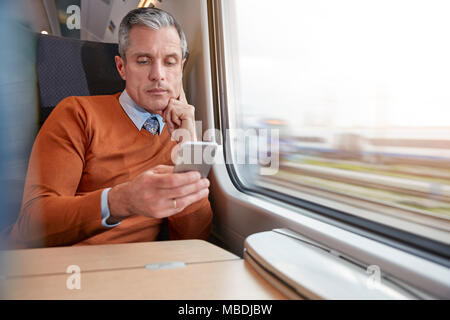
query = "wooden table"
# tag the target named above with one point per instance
(126, 271)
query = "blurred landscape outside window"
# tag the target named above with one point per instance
(359, 94)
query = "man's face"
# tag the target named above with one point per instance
(153, 68)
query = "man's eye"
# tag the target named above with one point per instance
(145, 61)
(171, 63)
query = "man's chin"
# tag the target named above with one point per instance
(157, 108)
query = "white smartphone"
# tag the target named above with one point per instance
(195, 156)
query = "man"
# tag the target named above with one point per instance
(100, 171)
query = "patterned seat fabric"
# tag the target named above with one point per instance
(69, 67)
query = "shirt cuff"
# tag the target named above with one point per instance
(105, 209)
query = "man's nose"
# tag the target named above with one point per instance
(156, 72)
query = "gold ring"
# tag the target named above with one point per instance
(174, 203)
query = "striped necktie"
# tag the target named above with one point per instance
(152, 125)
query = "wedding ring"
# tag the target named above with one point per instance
(174, 203)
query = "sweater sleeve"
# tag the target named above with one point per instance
(52, 212)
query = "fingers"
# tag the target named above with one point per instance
(176, 116)
(152, 193)
(161, 169)
(184, 202)
(182, 96)
(188, 189)
(190, 199)
(172, 115)
(178, 111)
(174, 180)
(168, 120)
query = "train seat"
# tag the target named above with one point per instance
(64, 67)
(69, 67)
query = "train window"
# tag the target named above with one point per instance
(344, 104)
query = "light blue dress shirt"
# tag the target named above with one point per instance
(138, 115)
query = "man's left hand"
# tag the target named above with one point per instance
(180, 115)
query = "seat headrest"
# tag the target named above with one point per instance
(69, 67)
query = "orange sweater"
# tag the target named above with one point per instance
(88, 144)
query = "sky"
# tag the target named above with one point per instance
(344, 63)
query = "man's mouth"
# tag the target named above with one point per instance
(157, 91)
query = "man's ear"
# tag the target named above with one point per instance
(120, 65)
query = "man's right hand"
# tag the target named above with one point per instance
(156, 193)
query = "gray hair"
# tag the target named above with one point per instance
(151, 17)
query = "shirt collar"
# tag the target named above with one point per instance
(137, 114)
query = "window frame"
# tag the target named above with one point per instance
(415, 244)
